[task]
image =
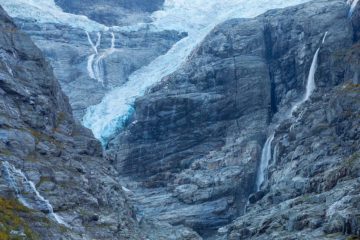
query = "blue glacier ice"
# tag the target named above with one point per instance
(197, 18)
(46, 11)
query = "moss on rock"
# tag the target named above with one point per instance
(12, 225)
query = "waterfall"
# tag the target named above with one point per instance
(112, 41)
(95, 61)
(46, 202)
(90, 66)
(90, 63)
(310, 86)
(94, 46)
(352, 6)
(264, 162)
(324, 38)
(12, 183)
(107, 118)
(15, 177)
(275, 153)
(266, 154)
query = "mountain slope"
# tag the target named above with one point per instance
(192, 149)
(255, 136)
(50, 164)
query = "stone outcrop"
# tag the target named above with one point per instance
(68, 50)
(54, 183)
(313, 190)
(191, 151)
(189, 156)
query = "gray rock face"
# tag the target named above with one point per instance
(188, 158)
(314, 194)
(68, 50)
(191, 151)
(48, 162)
(122, 12)
(186, 130)
(54, 181)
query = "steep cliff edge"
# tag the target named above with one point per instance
(89, 58)
(191, 152)
(190, 155)
(54, 183)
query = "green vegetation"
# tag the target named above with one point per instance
(353, 238)
(352, 87)
(5, 152)
(39, 136)
(11, 223)
(60, 118)
(352, 161)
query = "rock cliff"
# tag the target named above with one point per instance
(192, 150)
(255, 136)
(87, 75)
(89, 59)
(54, 183)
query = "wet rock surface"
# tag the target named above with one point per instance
(68, 49)
(188, 158)
(314, 194)
(54, 181)
(191, 151)
(47, 158)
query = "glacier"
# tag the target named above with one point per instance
(46, 11)
(197, 18)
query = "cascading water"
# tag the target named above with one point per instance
(324, 38)
(353, 4)
(15, 176)
(310, 87)
(266, 154)
(94, 46)
(90, 64)
(95, 61)
(265, 159)
(197, 18)
(310, 84)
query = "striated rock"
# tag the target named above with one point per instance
(188, 158)
(317, 194)
(53, 180)
(190, 152)
(119, 54)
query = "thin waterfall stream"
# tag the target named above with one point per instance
(266, 154)
(25, 189)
